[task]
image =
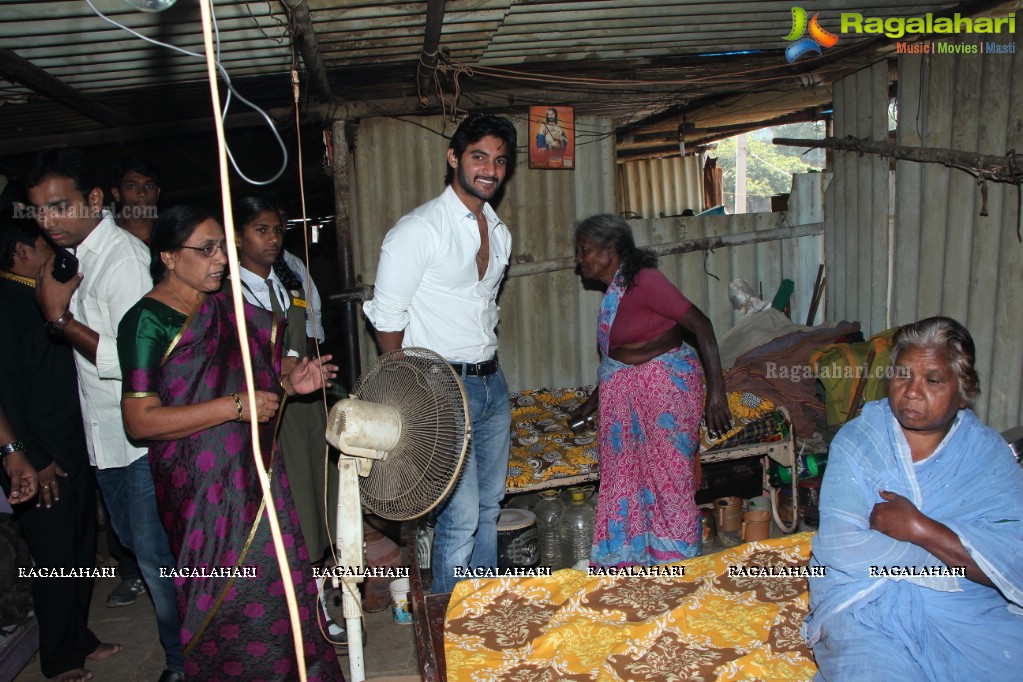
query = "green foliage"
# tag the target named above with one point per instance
(769, 167)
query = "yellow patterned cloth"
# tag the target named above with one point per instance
(703, 626)
(546, 454)
(544, 451)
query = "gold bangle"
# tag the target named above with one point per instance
(238, 404)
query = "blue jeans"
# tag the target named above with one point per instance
(131, 503)
(466, 530)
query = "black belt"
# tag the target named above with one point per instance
(479, 369)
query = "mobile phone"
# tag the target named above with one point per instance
(65, 265)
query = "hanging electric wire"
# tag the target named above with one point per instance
(230, 90)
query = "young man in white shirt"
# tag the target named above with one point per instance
(113, 275)
(136, 189)
(436, 287)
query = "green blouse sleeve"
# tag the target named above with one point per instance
(143, 337)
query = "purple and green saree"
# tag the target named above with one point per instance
(210, 499)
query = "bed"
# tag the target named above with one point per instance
(708, 624)
(546, 454)
(469, 629)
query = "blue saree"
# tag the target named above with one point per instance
(866, 622)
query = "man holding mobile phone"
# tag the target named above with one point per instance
(86, 310)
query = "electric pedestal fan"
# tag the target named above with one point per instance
(405, 433)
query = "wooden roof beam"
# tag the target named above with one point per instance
(17, 69)
(431, 45)
(309, 47)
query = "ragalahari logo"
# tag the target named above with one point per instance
(817, 39)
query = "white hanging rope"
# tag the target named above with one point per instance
(243, 338)
(213, 77)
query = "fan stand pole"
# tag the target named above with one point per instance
(350, 557)
(353, 625)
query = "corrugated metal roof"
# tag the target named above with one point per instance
(636, 63)
(642, 56)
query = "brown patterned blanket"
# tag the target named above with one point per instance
(546, 454)
(718, 622)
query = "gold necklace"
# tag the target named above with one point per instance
(188, 308)
(20, 279)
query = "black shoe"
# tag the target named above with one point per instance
(126, 593)
(336, 633)
(171, 676)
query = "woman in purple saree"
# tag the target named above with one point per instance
(185, 393)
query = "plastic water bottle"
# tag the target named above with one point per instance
(548, 516)
(576, 527)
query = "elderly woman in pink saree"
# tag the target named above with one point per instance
(185, 393)
(651, 401)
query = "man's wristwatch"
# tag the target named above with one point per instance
(58, 326)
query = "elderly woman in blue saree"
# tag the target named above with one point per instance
(651, 401)
(185, 393)
(921, 531)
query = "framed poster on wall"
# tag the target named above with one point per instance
(552, 137)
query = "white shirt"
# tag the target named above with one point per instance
(257, 292)
(427, 283)
(116, 275)
(311, 295)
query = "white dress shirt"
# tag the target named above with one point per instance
(115, 266)
(427, 284)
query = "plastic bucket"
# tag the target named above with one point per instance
(729, 514)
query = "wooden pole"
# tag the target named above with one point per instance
(1008, 168)
(686, 246)
(351, 364)
(861, 384)
(309, 46)
(818, 288)
(668, 249)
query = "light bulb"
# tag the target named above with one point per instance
(150, 5)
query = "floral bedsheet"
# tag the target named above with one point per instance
(545, 453)
(711, 624)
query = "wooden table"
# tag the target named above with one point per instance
(428, 617)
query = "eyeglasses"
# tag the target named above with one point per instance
(208, 249)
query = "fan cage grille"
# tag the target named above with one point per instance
(424, 465)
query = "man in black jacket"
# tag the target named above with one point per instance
(39, 396)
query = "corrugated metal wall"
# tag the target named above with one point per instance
(857, 225)
(542, 315)
(548, 322)
(655, 188)
(948, 259)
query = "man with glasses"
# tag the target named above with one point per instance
(86, 310)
